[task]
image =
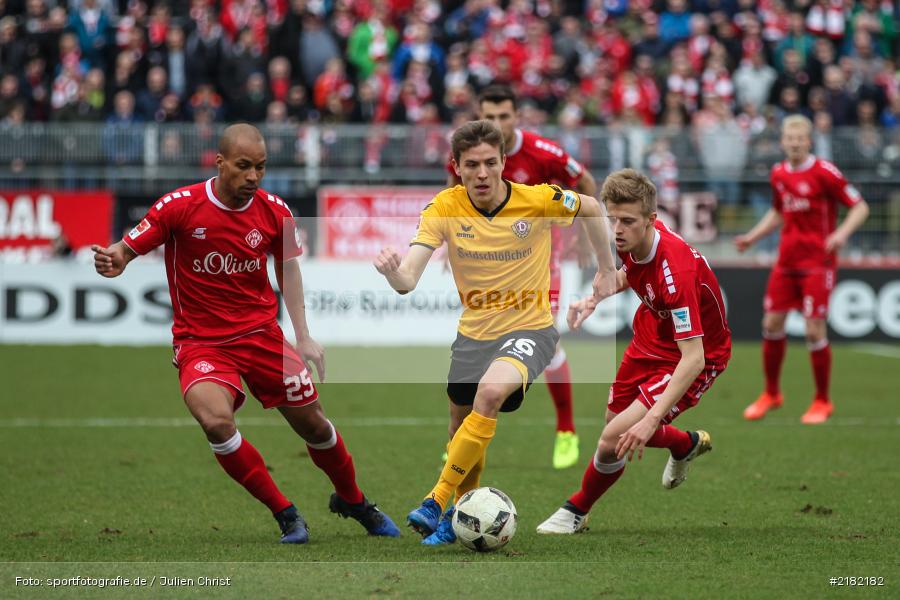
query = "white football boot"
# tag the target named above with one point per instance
(676, 471)
(563, 522)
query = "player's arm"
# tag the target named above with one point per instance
(403, 274)
(592, 215)
(290, 282)
(770, 221)
(688, 369)
(586, 186)
(111, 261)
(856, 216)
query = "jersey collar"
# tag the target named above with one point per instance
(517, 142)
(490, 215)
(652, 254)
(807, 164)
(211, 194)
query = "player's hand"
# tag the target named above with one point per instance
(387, 261)
(579, 311)
(742, 242)
(605, 285)
(109, 262)
(834, 242)
(312, 351)
(636, 438)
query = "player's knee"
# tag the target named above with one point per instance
(218, 429)
(815, 332)
(491, 395)
(314, 431)
(606, 449)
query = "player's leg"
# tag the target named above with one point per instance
(559, 384)
(601, 473)
(820, 358)
(212, 405)
(774, 345)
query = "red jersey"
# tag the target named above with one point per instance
(680, 299)
(807, 198)
(216, 259)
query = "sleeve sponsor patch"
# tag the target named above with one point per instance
(570, 200)
(574, 168)
(141, 228)
(682, 319)
(852, 193)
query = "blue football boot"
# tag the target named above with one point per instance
(293, 527)
(425, 518)
(367, 514)
(444, 533)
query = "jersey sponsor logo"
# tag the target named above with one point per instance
(570, 200)
(204, 367)
(521, 228)
(254, 238)
(792, 203)
(650, 293)
(143, 226)
(215, 263)
(682, 319)
(199, 233)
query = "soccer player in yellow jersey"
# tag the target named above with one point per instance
(498, 237)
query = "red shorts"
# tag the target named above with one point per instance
(271, 367)
(646, 380)
(807, 291)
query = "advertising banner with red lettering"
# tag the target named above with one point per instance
(355, 223)
(31, 220)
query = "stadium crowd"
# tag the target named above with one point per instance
(723, 64)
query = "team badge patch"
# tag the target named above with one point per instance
(204, 367)
(682, 319)
(254, 238)
(521, 228)
(570, 199)
(143, 226)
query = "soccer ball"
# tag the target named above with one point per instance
(485, 519)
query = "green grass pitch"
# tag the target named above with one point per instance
(103, 474)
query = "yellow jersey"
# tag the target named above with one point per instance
(500, 260)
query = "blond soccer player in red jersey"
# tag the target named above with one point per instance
(806, 191)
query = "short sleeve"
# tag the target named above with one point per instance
(560, 206)
(681, 297)
(561, 167)
(838, 187)
(776, 193)
(287, 244)
(430, 230)
(154, 229)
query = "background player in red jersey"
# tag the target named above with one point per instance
(681, 344)
(533, 160)
(805, 193)
(217, 235)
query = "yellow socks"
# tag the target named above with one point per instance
(465, 452)
(472, 480)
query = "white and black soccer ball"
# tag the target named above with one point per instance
(485, 519)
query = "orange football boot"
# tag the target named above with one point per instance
(818, 412)
(763, 404)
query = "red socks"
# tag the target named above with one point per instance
(245, 465)
(820, 356)
(773, 358)
(559, 382)
(332, 457)
(677, 441)
(598, 477)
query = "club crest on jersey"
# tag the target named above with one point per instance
(254, 238)
(204, 367)
(521, 228)
(143, 226)
(803, 188)
(682, 319)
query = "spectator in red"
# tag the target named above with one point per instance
(612, 44)
(627, 94)
(279, 78)
(333, 85)
(826, 18)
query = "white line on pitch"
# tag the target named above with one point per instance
(886, 350)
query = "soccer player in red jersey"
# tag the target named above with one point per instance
(805, 193)
(217, 236)
(681, 344)
(533, 160)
